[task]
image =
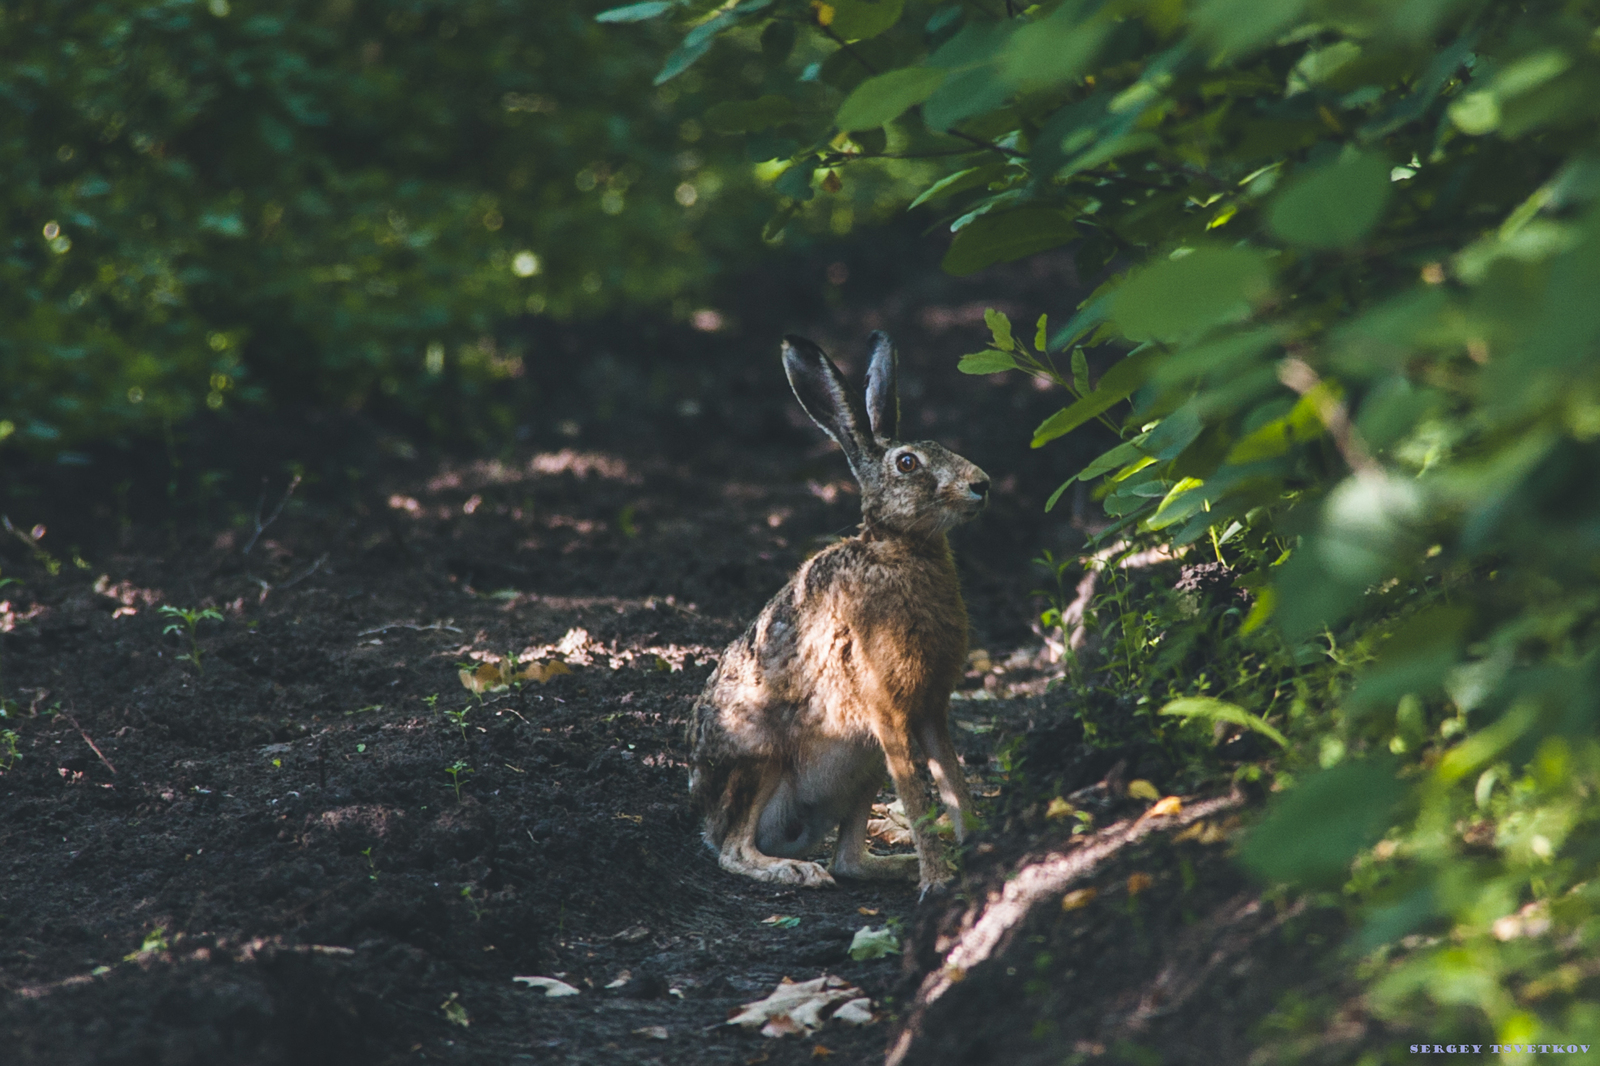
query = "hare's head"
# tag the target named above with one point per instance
(910, 488)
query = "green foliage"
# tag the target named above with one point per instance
(457, 770)
(1349, 339)
(185, 622)
(209, 204)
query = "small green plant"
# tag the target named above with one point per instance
(459, 719)
(474, 908)
(456, 770)
(431, 700)
(185, 621)
(372, 864)
(155, 940)
(9, 751)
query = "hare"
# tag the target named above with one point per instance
(850, 665)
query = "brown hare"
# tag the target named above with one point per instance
(850, 665)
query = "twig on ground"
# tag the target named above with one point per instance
(89, 741)
(408, 625)
(307, 572)
(261, 527)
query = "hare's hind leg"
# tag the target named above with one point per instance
(851, 857)
(750, 789)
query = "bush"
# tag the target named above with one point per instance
(1345, 326)
(219, 202)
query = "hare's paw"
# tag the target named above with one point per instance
(879, 868)
(797, 872)
(751, 863)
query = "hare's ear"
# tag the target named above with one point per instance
(822, 391)
(883, 396)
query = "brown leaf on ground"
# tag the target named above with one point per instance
(796, 1008)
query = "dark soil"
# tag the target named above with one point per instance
(270, 862)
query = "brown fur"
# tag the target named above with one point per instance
(849, 668)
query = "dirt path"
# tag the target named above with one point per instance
(323, 848)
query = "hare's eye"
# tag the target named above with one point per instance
(907, 463)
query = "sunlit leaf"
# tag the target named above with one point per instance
(987, 362)
(1215, 710)
(1000, 329)
(1116, 385)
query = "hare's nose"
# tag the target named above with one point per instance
(979, 489)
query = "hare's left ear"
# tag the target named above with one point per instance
(822, 391)
(883, 397)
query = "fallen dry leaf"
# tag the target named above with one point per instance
(1142, 789)
(499, 676)
(888, 824)
(551, 986)
(796, 1008)
(820, 1052)
(653, 1032)
(1078, 897)
(1138, 882)
(867, 912)
(1166, 805)
(855, 1012)
(1059, 808)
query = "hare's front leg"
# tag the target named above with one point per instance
(933, 733)
(931, 864)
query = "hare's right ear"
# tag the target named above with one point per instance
(883, 396)
(822, 391)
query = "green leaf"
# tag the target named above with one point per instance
(744, 116)
(1080, 370)
(1313, 831)
(777, 41)
(1215, 710)
(1117, 384)
(1056, 495)
(1122, 454)
(1335, 205)
(885, 98)
(960, 181)
(635, 12)
(1054, 50)
(869, 943)
(1172, 299)
(987, 362)
(1182, 501)
(1000, 329)
(857, 20)
(1002, 238)
(963, 94)
(1041, 335)
(795, 182)
(685, 56)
